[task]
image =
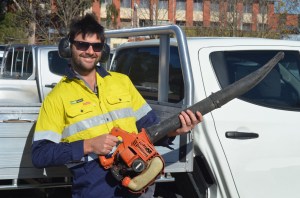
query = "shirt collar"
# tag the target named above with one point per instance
(70, 73)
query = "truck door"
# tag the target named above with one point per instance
(51, 68)
(258, 131)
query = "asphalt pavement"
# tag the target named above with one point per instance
(163, 190)
(37, 193)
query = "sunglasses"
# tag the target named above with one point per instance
(83, 46)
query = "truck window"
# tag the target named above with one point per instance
(57, 65)
(2, 49)
(141, 65)
(18, 63)
(279, 89)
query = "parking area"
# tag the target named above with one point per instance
(163, 190)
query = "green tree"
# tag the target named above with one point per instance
(111, 15)
(41, 22)
(11, 32)
(68, 9)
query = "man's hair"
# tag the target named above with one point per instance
(86, 25)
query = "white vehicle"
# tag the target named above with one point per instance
(247, 148)
(250, 146)
(28, 74)
(2, 49)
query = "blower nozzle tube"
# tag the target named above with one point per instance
(215, 100)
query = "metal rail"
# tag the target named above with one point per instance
(164, 32)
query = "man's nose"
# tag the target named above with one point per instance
(90, 50)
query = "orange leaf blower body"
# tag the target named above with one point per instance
(135, 161)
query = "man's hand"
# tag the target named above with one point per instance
(188, 121)
(100, 145)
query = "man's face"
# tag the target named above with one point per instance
(85, 56)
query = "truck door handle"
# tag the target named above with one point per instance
(240, 135)
(18, 121)
(51, 86)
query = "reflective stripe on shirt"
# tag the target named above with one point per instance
(142, 111)
(96, 121)
(48, 135)
(104, 118)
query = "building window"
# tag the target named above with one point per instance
(231, 7)
(180, 4)
(105, 2)
(198, 23)
(145, 22)
(198, 5)
(247, 27)
(125, 3)
(144, 4)
(215, 25)
(262, 27)
(163, 4)
(214, 6)
(126, 22)
(263, 9)
(180, 23)
(247, 8)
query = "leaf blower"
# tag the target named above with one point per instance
(137, 164)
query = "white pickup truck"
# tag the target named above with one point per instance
(28, 73)
(247, 148)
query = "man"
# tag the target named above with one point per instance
(76, 117)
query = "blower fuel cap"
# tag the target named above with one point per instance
(138, 165)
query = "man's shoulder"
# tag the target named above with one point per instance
(119, 76)
(60, 86)
(63, 81)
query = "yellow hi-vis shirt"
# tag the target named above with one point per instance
(73, 112)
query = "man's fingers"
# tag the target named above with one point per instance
(183, 120)
(111, 140)
(200, 117)
(196, 118)
(186, 119)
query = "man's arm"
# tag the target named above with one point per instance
(46, 153)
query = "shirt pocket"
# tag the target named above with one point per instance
(119, 101)
(79, 111)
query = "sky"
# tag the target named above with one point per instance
(292, 6)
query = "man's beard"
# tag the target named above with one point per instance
(81, 68)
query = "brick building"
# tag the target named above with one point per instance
(252, 16)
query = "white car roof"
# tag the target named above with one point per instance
(220, 41)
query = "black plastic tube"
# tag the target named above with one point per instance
(215, 100)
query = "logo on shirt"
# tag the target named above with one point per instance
(76, 101)
(86, 103)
